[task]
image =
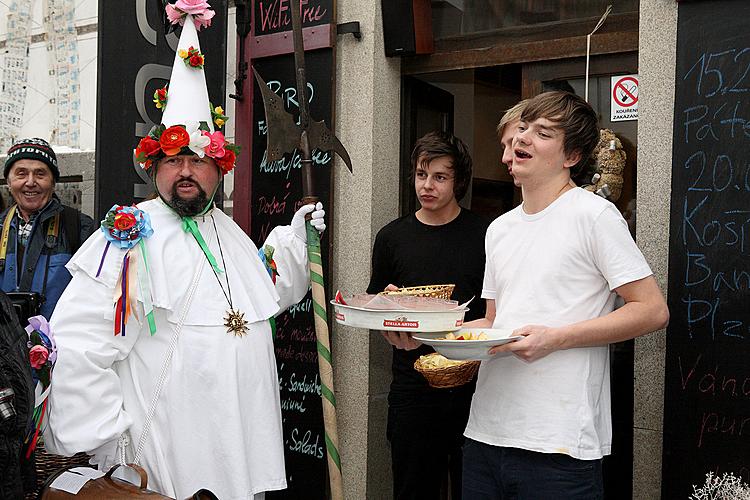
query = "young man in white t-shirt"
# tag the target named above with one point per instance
(540, 418)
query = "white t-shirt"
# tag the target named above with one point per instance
(556, 267)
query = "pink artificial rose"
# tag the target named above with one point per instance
(216, 148)
(203, 21)
(38, 356)
(193, 7)
(174, 15)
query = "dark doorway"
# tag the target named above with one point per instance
(424, 108)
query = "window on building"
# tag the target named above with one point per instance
(464, 17)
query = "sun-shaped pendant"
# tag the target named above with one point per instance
(235, 323)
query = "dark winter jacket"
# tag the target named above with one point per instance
(27, 274)
(15, 373)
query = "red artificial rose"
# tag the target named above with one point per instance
(124, 221)
(226, 162)
(173, 140)
(162, 94)
(38, 355)
(146, 148)
(196, 61)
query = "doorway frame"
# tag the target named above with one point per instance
(553, 51)
(525, 44)
(534, 73)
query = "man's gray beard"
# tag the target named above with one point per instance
(191, 207)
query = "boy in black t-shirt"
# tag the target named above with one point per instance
(440, 243)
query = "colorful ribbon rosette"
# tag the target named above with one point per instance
(126, 227)
(266, 256)
(42, 356)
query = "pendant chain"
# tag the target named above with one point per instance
(224, 265)
(234, 321)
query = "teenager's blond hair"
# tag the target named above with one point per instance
(510, 116)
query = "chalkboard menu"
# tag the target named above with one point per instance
(135, 59)
(276, 195)
(707, 384)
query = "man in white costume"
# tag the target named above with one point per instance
(216, 420)
(540, 418)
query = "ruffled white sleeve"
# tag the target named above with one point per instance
(85, 403)
(290, 255)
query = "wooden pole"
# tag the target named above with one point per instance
(325, 361)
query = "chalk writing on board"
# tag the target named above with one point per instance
(276, 195)
(306, 442)
(725, 120)
(287, 164)
(275, 14)
(721, 72)
(713, 381)
(707, 384)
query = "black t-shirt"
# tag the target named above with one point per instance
(410, 253)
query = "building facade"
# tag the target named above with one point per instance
(487, 56)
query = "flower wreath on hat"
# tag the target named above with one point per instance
(191, 137)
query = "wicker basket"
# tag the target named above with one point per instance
(435, 291)
(447, 376)
(47, 464)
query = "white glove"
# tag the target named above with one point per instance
(317, 219)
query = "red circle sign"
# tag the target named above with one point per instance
(625, 95)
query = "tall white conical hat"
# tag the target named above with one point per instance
(188, 95)
(187, 106)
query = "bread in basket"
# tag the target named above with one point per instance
(435, 291)
(444, 373)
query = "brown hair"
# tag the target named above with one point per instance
(510, 116)
(436, 144)
(571, 114)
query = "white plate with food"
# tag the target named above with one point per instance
(467, 343)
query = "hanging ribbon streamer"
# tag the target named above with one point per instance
(133, 280)
(101, 262)
(145, 287)
(37, 420)
(121, 306)
(126, 227)
(588, 48)
(42, 358)
(190, 226)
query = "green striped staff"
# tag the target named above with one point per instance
(284, 135)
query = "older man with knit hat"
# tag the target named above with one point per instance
(164, 335)
(39, 233)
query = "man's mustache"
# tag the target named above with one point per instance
(186, 179)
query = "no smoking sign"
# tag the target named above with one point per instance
(624, 105)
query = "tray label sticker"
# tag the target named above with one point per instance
(401, 322)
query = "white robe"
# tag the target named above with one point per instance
(217, 423)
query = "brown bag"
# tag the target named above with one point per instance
(111, 488)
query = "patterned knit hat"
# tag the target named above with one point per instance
(32, 149)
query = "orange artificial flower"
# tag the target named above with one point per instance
(173, 140)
